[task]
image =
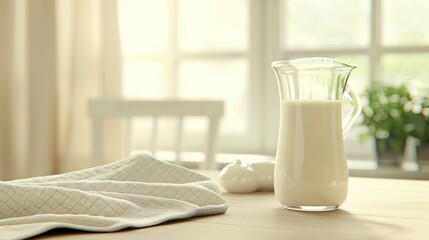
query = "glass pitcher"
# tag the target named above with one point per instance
(311, 171)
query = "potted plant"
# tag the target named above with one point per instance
(420, 120)
(388, 119)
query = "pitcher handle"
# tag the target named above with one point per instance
(351, 117)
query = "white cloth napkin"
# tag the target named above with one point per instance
(136, 192)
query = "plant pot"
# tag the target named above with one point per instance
(388, 157)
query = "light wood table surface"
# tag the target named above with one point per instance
(375, 209)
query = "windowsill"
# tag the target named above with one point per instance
(357, 167)
(406, 170)
(391, 172)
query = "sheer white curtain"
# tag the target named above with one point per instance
(54, 57)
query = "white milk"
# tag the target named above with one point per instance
(311, 167)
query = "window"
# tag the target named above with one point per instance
(221, 49)
(192, 49)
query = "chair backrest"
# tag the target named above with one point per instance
(100, 109)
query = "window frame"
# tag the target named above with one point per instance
(264, 46)
(374, 51)
(250, 142)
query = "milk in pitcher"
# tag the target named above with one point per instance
(311, 167)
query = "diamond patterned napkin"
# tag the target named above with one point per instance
(136, 192)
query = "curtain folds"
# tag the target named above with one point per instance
(54, 57)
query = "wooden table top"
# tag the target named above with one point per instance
(375, 209)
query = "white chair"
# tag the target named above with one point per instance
(100, 109)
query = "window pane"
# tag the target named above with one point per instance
(219, 79)
(208, 25)
(312, 24)
(144, 26)
(399, 68)
(143, 79)
(405, 22)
